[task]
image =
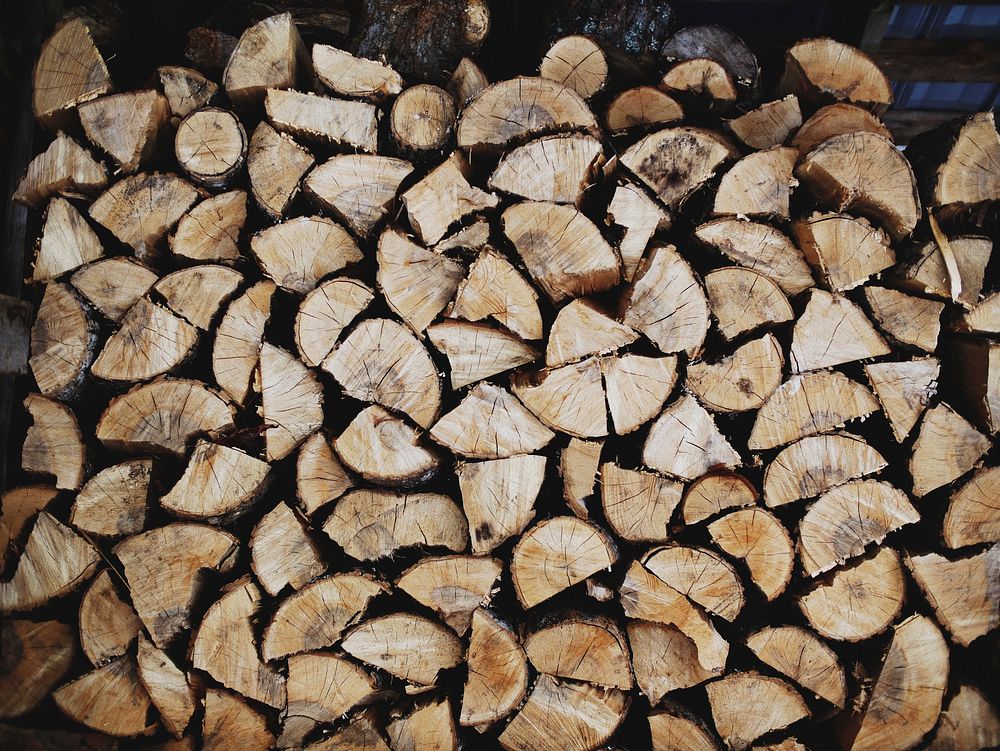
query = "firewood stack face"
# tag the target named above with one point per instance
(545, 413)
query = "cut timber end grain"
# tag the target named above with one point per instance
(108, 625)
(163, 567)
(808, 404)
(320, 477)
(577, 62)
(848, 518)
(637, 388)
(381, 361)
(321, 688)
(676, 162)
(185, 89)
(815, 464)
(569, 399)
(497, 679)
(962, 592)
(151, 341)
(641, 106)
(776, 706)
(638, 505)
(373, 524)
(53, 444)
(291, 401)
(565, 716)
(55, 561)
(386, 450)
(417, 283)
(167, 686)
(315, 617)
(494, 288)
(211, 230)
(664, 659)
(238, 340)
(430, 726)
(582, 648)
(211, 146)
(452, 586)
(422, 118)
(324, 314)
(864, 172)
(860, 600)
(409, 647)
(63, 340)
(666, 303)
(703, 82)
(36, 656)
(467, 81)
(759, 247)
(444, 197)
(360, 734)
(197, 294)
(906, 700)
(803, 657)
(230, 722)
(357, 188)
(67, 242)
(581, 329)
(641, 217)
(928, 271)
(18, 506)
(298, 253)
(906, 319)
(141, 209)
(680, 732)
(836, 120)
(759, 184)
(833, 330)
(740, 381)
(768, 125)
(578, 464)
(477, 350)
(843, 249)
(224, 646)
(716, 43)
(351, 76)
(110, 699)
(517, 109)
(499, 496)
(685, 442)
(490, 423)
(716, 492)
(701, 575)
(984, 318)
(556, 168)
(64, 168)
(818, 70)
(275, 164)
(126, 126)
(556, 554)
(762, 542)
(946, 448)
(113, 285)
(322, 119)
(269, 55)
(743, 300)
(646, 597)
(957, 163)
(218, 483)
(69, 71)
(970, 721)
(904, 390)
(972, 516)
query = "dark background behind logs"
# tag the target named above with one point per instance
(943, 60)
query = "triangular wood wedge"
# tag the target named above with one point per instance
(817, 70)
(740, 381)
(269, 54)
(971, 516)
(972, 722)
(230, 722)
(760, 184)
(357, 188)
(742, 300)
(686, 443)
(904, 389)
(906, 319)
(167, 686)
(219, 482)
(844, 250)
(127, 126)
(238, 338)
(641, 106)
(291, 401)
(554, 168)
(641, 217)
(298, 253)
(802, 656)
(18, 506)
(716, 492)
(452, 586)
(768, 125)
(444, 197)
(581, 329)
(496, 289)
(110, 699)
(569, 398)
(324, 314)
(701, 575)
(582, 648)
(69, 71)
(960, 591)
(282, 554)
(664, 659)
(638, 505)
(760, 247)
(408, 646)
(351, 76)
(276, 164)
(834, 120)
(64, 168)
(477, 350)
(113, 285)
(39, 656)
(67, 242)
(320, 478)
(758, 538)
(832, 330)
(928, 271)
(498, 671)
(386, 450)
(150, 342)
(946, 448)
(815, 464)
(53, 445)
(637, 388)
(63, 340)
(108, 625)
(185, 89)
(780, 706)
(498, 497)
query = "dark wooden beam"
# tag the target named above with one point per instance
(939, 59)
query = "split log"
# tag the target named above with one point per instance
(298, 253)
(832, 330)
(970, 721)
(578, 63)
(759, 184)
(67, 242)
(63, 341)
(373, 524)
(673, 728)
(758, 538)
(716, 492)
(836, 120)
(498, 497)
(443, 197)
(452, 586)
(664, 659)
(970, 519)
(741, 381)
(569, 399)
(582, 648)
(69, 72)
(702, 84)
(476, 351)
(110, 699)
(269, 55)
(641, 217)
(322, 119)
(357, 188)
(908, 320)
(820, 70)
(494, 288)
(467, 81)
(716, 43)
(320, 478)
(386, 450)
(498, 672)
(759, 247)
(168, 687)
(126, 126)
(637, 388)
(219, 483)
(430, 726)
(197, 294)
(18, 506)
(858, 601)
(904, 390)
(557, 168)
(229, 722)
(238, 340)
(291, 401)
(641, 107)
(800, 655)
(422, 119)
(211, 146)
(768, 125)
(53, 445)
(843, 249)
(699, 574)
(686, 443)
(959, 278)
(959, 591)
(275, 164)
(65, 168)
(361, 734)
(410, 647)
(108, 625)
(984, 318)
(113, 285)
(355, 77)
(578, 465)
(185, 89)
(324, 314)
(780, 706)
(947, 447)
(638, 505)
(743, 300)
(36, 657)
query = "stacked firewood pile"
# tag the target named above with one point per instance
(542, 413)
